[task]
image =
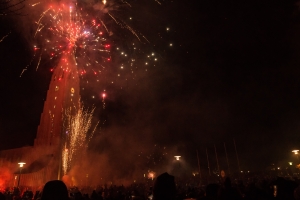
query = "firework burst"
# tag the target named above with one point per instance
(78, 135)
(94, 32)
(61, 27)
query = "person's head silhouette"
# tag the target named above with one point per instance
(55, 190)
(164, 187)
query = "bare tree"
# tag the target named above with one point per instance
(11, 7)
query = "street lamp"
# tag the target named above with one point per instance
(151, 175)
(21, 165)
(177, 157)
(296, 152)
(177, 167)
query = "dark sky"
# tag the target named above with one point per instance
(232, 73)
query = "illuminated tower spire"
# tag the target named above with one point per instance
(63, 94)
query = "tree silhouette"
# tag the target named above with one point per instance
(11, 7)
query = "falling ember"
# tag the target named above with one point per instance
(4, 37)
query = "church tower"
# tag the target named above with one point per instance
(44, 159)
(62, 96)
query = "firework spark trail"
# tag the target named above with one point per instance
(104, 26)
(31, 62)
(65, 160)
(4, 37)
(78, 139)
(35, 4)
(158, 2)
(126, 3)
(124, 25)
(145, 38)
(40, 26)
(23, 72)
(37, 66)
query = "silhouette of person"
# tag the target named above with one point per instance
(164, 187)
(2, 196)
(55, 190)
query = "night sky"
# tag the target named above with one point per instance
(232, 73)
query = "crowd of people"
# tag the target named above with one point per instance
(165, 187)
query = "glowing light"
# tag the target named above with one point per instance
(177, 157)
(21, 164)
(151, 175)
(295, 151)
